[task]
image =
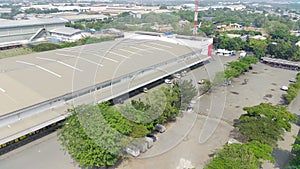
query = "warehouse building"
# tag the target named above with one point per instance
(37, 89)
(67, 34)
(18, 32)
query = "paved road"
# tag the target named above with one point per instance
(44, 153)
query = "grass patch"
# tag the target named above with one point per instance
(15, 52)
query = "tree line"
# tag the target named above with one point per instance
(258, 130)
(96, 135)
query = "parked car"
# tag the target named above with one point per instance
(227, 83)
(293, 80)
(121, 101)
(160, 128)
(145, 90)
(133, 151)
(168, 81)
(183, 73)
(177, 75)
(149, 142)
(152, 136)
(201, 81)
(284, 88)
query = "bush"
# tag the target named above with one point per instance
(234, 69)
(45, 47)
(293, 90)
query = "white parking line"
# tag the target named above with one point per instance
(141, 49)
(119, 55)
(2, 90)
(46, 59)
(26, 63)
(69, 65)
(161, 45)
(61, 54)
(130, 52)
(153, 47)
(90, 61)
(73, 56)
(60, 62)
(105, 58)
(49, 71)
(95, 53)
(42, 68)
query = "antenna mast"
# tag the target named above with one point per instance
(196, 19)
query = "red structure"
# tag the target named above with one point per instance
(209, 53)
(196, 18)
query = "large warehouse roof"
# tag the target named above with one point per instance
(66, 31)
(5, 23)
(34, 78)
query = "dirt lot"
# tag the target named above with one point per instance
(212, 126)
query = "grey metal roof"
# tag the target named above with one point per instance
(83, 17)
(30, 79)
(65, 31)
(5, 23)
(280, 61)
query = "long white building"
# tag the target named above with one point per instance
(22, 31)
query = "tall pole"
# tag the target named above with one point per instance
(196, 19)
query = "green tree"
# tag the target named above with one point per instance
(207, 85)
(231, 73)
(241, 156)
(259, 47)
(187, 92)
(123, 14)
(163, 7)
(88, 139)
(295, 163)
(265, 123)
(278, 114)
(277, 30)
(263, 130)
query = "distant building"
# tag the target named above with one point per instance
(258, 37)
(224, 52)
(233, 35)
(60, 8)
(135, 14)
(20, 32)
(5, 11)
(236, 7)
(183, 23)
(67, 34)
(82, 17)
(295, 32)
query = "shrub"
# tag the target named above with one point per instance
(45, 47)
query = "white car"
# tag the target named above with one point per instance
(168, 81)
(284, 88)
(177, 75)
(201, 81)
